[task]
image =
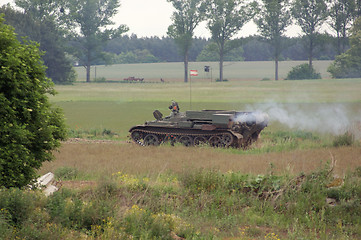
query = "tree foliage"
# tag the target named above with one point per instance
(225, 19)
(29, 128)
(348, 64)
(341, 14)
(46, 32)
(40, 10)
(186, 17)
(89, 19)
(272, 19)
(310, 15)
(210, 54)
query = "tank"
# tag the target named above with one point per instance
(217, 128)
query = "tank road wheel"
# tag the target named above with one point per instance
(186, 141)
(227, 139)
(215, 141)
(137, 137)
(199, 141)
(151, 140)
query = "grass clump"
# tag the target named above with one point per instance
(66, 173)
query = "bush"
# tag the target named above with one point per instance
(303, 71)
(16, 206)
(67, 209)
(346, 139)
(29, 127)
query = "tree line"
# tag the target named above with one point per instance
(78, 31)
(225, 18)
(131, 49)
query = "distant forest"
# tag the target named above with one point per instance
(131, 49)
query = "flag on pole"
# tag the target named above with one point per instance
(194, 72)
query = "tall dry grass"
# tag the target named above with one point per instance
(99, 159)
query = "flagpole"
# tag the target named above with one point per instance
(191, 73)
(190, 91)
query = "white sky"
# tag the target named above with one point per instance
(147, 18)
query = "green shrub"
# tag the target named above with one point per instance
(16, 205)
(69, 210)
(30, 128)
(346, 139)
(303, 71)
(142, 224)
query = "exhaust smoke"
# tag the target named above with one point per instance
(335, 119)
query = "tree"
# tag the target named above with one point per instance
(310, 15)
(30, 129)
(188, 14)
(44, 31)
(341, 15)
(90, 19)
(225, 19)
(44, 9)
(348, 64)
(272, 19)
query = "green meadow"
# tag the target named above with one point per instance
(171, 72)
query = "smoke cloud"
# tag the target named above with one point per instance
(323, 118)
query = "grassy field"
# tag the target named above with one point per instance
(118, 106)
(172, 72)
(280, 188)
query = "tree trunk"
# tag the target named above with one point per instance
(277, 50)
(276, 68)
(186, 67)
(338, 44)
(88, 72)
(310, 54)
(221, 58)
(88, 66)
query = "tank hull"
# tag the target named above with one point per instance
(217, 128)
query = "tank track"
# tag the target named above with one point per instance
(157, 136)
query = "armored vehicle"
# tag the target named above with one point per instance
(217, 128)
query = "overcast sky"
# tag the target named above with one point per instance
(147, 18)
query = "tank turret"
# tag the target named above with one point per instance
(217, 128)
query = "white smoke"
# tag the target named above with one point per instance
(323, 118)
